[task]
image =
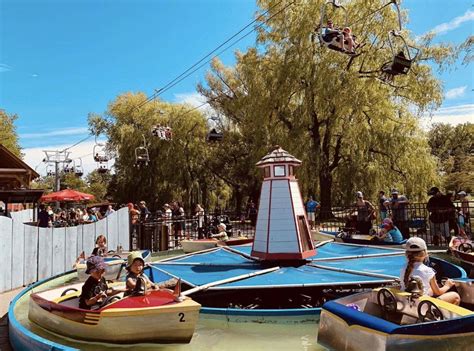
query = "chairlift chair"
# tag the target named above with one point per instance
(100, 155)
(78, 170)
(336, 41)
(142, 156)
(214, 136)
(401, 61)
(102, 168)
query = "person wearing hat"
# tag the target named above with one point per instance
(136, 282)
(441, 210)
(95, 289)
(221, 233)
(416, 253)
(389, 232)
(398, 206)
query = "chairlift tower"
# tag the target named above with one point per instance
(57, 157)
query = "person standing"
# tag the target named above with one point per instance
(144, 212)
(383, 210)
(199, 215)
(465, 211)
(43, 217)
(110, 210)
(441, 209)
(398, 204)
(311, 206)
(365, 214)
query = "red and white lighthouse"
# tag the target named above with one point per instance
(282, 231)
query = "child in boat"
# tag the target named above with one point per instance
(416, 252)
(99, 250)
(100, 246)
(221, 233)
(389, 232)
(138, 283)
(95, 289)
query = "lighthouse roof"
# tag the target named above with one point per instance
(278, 155)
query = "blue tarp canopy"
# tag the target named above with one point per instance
(333, 268)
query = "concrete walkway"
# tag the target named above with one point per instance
(5, 299)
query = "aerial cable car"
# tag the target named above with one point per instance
(214, 135)
(401, 61)
(50, 171)
(337, 39)
(78, 169)
(100, 152)
(142, 157)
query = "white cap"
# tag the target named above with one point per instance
(462, 193)
(222, 225)
(359, 194)
(415, 244)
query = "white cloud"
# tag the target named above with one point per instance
(57, 132)
(453, 115)
(35, 155)
(4, 67)
(453, 24)
(194, 99)
(456, 92)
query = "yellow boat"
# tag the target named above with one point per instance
(153, 318)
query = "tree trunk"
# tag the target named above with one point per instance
(325, 183)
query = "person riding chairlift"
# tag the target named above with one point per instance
(339, 40)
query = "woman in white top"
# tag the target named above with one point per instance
(416, 253)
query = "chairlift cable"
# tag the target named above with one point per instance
(192, 69)
(80, 141)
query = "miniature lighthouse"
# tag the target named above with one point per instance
(282, 231)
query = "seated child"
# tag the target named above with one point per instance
(95, 289)
(100, 246)
(221, 233)
(99, 250)
(389, 233)
(138, 283)
(416, 253)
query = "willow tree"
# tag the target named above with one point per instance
(175, 168)
(352, 131)
(8, 135)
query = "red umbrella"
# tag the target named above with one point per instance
(66, 195)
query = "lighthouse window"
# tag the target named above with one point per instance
(266, 172)
(279, 171)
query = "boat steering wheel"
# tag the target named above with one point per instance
(387, 300)
(429, 314)
(108, 300)
(465, 247)
(116, 256)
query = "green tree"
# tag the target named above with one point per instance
(351, 131)
(453, 146)
(8, 134)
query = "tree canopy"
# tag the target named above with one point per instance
(8, 135)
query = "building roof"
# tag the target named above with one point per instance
(21, 195)
(278, 155)
(14, 173)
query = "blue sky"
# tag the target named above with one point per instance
(60, 60)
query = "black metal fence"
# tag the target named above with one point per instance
(162, 233)
(159, 233)
(412, 219)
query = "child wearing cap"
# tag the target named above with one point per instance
(95, 288)
(389, 233)
(137, 283)
(416, 253)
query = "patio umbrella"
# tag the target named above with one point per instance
(67, 195)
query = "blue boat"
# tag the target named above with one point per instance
(389, 319)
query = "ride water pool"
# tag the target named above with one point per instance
(246, 304)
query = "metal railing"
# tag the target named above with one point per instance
(412, 219)
(162, 233)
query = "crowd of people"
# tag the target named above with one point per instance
(47, 217)
(447, 215)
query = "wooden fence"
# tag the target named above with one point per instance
(29, 253)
